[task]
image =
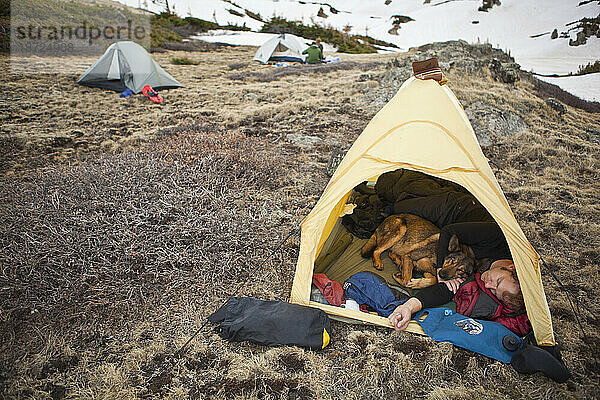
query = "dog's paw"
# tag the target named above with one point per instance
(378, 267)
(418, 283)
(398, 277)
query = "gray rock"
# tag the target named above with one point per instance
(251, 96)
(303, 140)
(507, 72)
(492, 124)
(581, 39)
(556, 105)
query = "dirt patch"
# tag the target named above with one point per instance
(413, 347)
(56, 392)
(461, 359)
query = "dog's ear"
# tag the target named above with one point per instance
(453, 245)
(468, 251)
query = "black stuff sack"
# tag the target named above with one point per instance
(272, 323)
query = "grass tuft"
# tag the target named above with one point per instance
(183, 61)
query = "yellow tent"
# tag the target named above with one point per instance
(423, 128)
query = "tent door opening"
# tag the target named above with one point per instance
(371, 202)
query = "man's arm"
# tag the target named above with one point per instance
(432, 296)
(403, 313)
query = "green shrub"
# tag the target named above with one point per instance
(183, 61)
(589, 68)
(168, 27)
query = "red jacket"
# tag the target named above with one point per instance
(473, 299)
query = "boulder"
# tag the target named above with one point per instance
(556, 105)
(492, 124)
(507, 72)
(580, 40)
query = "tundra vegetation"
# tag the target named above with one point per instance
(124, 224)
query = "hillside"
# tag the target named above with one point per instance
(545, 36)
(124, 224)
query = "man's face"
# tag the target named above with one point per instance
(499, 280)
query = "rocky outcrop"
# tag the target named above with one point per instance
(487, 4)
(451, 55)
(587, 27)
(556, 105)
(504, 72)
(492, 124)
(397, 21)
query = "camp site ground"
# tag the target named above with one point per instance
(126, 224)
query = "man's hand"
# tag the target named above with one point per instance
(400, 318)
(403, 313)
(454, 284)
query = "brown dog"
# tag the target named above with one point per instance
(410, 239)
(460, 262)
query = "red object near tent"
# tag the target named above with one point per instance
(152, 94)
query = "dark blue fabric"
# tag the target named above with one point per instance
(126, 93)
(286, 59)
(366, 288)
(483, 337)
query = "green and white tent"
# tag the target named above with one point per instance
(127, 65)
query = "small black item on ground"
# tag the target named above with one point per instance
(272, 323)
(530, 359)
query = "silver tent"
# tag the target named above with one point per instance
(127, 65)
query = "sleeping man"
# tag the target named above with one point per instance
(493, 293)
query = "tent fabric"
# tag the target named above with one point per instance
(285, 47)
(127, 65)
(423, 128)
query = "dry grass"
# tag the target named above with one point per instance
(113, 254)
